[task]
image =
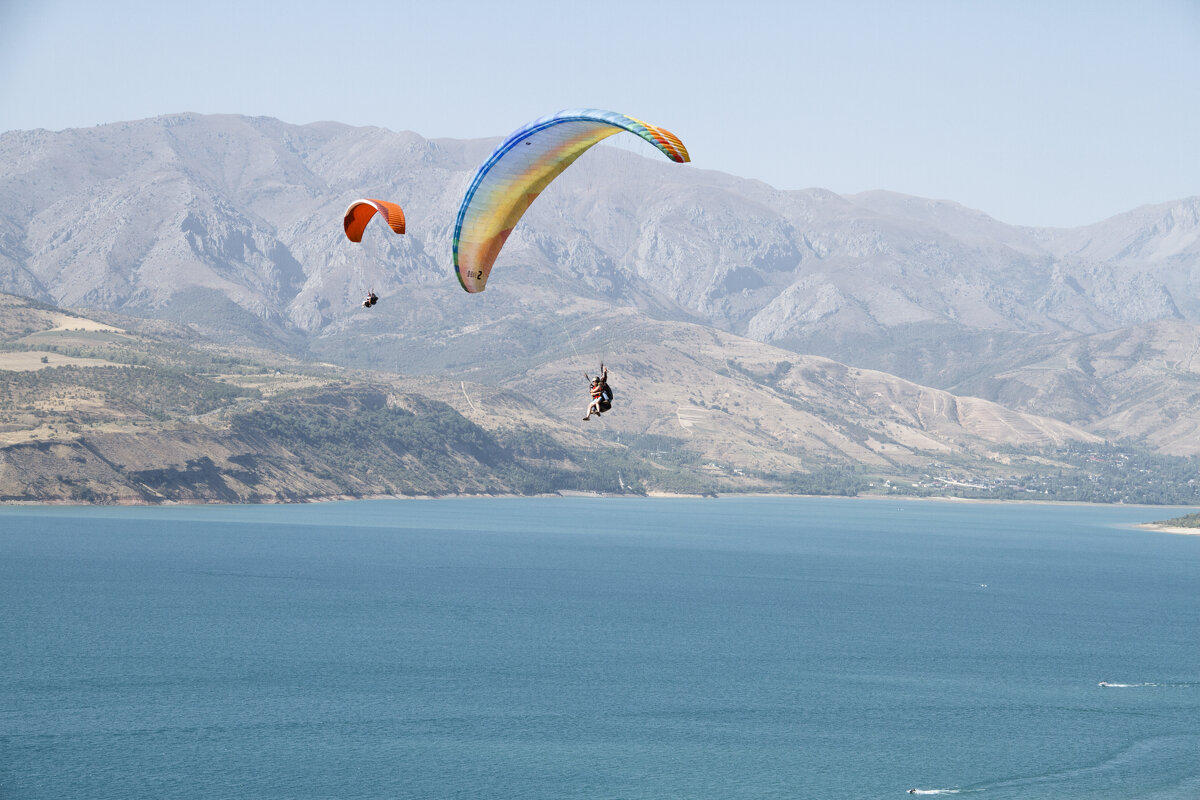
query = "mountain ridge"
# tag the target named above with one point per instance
(228, 224)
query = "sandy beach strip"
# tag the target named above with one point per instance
(1154, 526)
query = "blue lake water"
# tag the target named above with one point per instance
(598, 648)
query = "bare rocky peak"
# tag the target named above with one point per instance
(203, 217)
(1145, 236)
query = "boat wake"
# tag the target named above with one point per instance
(934, 791)
(1184, 685)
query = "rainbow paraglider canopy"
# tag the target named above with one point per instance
(521, 168)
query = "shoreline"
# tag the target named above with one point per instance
(1154, 526)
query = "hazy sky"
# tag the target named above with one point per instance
(1043, 112)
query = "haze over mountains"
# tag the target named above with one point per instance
(232, 224)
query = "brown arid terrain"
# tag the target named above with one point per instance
(1140, 383)
(162, 419)
(106, 409)
(749, 404)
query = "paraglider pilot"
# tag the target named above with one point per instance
(371, 299)
(601, 394)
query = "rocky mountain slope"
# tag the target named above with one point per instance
(231, 225)
(1138, 384)
(129, 216)
(114, 409)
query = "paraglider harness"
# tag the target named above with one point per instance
(371, 299)
(601, 390)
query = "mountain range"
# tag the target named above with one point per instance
(691, 284)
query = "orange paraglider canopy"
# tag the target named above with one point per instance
(360, 212)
